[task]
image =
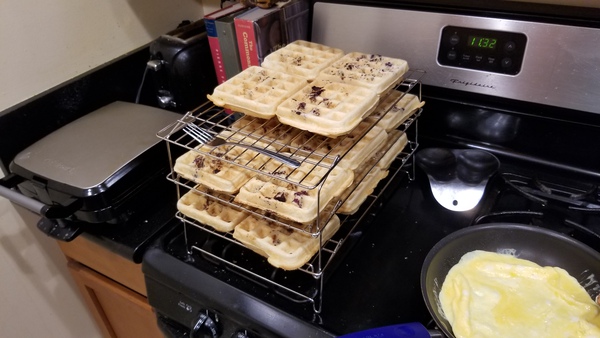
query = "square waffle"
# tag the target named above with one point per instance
(367, 145)
(394, 109)
(210, 211)
(283, 246)
(363, 190)
(327, 108)
(293, 201)
(256, 91)
(355, 147)
(397, 141)
(302, 58)
(376, 72)
(216, 172)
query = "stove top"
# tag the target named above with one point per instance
(547, 178)
(377, 283)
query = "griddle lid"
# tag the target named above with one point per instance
(91, 152)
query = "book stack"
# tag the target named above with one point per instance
(213, 38)
(241, 37)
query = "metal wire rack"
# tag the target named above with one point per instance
(318, 156)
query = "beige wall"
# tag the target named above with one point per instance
(47, 42)
(44, 43)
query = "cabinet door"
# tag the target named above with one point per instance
(119, 311)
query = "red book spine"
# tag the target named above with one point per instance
(246, 40)
(215, 50)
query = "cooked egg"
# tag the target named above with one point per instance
(497, 295)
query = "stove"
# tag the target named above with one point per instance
(203, 284)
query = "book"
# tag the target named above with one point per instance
(213, 40)
(294, 20)
(258, 33)
(228, 43)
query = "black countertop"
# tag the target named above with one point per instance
(41, 115)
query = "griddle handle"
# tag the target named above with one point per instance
(48, 211)
(24, 201)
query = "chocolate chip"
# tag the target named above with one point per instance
(281, 197)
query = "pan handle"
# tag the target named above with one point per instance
(408, 330)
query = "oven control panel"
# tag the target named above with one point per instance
(481, 49)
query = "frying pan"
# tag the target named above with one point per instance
(542, 246)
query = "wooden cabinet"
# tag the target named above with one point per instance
(113, 289)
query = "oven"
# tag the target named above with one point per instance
(510, 89)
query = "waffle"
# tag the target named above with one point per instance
(376, 72)
(261, 132)
(302, 58)
(256, 91)
(362, 191)
(394, 109)
(370, 143)
(327, 108)
(284, 247)
(291, 200)
(210, 211)
(355, 147)
(216, 173)
(399, 141)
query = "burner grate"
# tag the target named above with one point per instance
(569, 207)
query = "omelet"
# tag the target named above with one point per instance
(498, 295)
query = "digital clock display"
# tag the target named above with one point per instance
(483, 42)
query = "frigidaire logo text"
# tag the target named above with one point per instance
(472, 84)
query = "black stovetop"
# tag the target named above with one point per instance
(375, 284)
(376, 281)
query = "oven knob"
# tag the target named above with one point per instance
(206, 325)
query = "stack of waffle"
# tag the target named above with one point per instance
(336, 113)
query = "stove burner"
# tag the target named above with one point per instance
(570, 207)
(583, 197)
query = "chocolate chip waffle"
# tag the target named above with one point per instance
(363, 190)
(395, 109)
(283, 246)
(210, 211)
(376, 72)
(367, 145)
(256, 91)
(398, 141)
(355, 147)
(327, 108)
(302, 58)
(215, 171)
(294, 201)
